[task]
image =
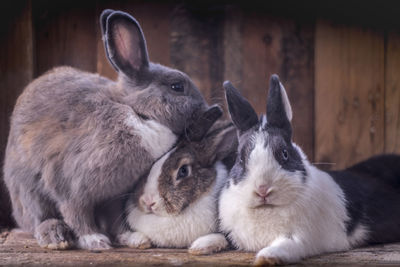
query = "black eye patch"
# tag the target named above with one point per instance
(285, 154)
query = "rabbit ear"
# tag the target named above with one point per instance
(223, 144)
(103, 25)
(242, 113)
(197, 130)
(279, 111)
(125, 43)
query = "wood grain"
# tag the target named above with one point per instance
(349, 94)
(65, 35)
(392, 93)
(286, 47)
(196, 47)
(16, 71)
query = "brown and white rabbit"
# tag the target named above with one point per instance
(177, 203)
(278, 204)
(77, 138)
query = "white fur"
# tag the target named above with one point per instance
(180, 230)
(94, 242)
(134, 240)
(286, 103)
(306, 218)
(209, 244)
(154, 137)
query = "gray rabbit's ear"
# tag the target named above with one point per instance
(103, 20)
(197, 130)
(124, 43)
(279, 111)
(103, 25)
(242, 113)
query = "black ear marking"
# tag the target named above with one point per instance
(242, 113)
(197, 130)
(277, 116)
(125, 43)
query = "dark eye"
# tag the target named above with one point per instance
(183, 171)
(285, 154)
(177, 87)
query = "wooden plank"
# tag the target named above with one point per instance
(392, 93)
(349, 96)
(155, 22)
(197, 47)
(16, 71)
(286, 47)
(65, 34)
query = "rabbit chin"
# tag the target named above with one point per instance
(179, 231)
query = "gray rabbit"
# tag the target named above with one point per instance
(78, 139)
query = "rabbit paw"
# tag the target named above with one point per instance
(267, 261)
(54, 234)
(134, 240)
(94, 242)
(208, 244)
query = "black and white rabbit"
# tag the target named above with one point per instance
(177, 204)
(77, 138)
(278, 204)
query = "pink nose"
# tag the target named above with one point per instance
(147, 201)
(262, 191)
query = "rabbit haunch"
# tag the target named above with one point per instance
(78, 139)
(278, 204)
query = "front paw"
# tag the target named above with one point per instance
(54, 234)
(134, 240)
(267, 261)
(208, 244)
(94, 242)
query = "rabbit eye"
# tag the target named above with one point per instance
(183, 171)
(177, 87)
(285, 154)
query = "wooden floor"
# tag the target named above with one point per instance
(18, 248)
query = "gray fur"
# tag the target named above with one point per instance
(69, 147)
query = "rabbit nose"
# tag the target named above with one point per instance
(262, 191)
(147, 202)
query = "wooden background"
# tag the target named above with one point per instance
(339, 61)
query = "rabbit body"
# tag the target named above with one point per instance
(278, 204)
(78, 139)
(177, 203)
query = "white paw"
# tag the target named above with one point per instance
(268, 257)
(208, 244)
(94, 242)
(134, 240)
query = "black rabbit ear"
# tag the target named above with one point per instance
(125, 43)
(197, 130)
(279, 111)
(242, 113)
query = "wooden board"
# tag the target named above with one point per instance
(392, 93)
(16, 71)
(154, 18)
(65, 34)
(349, 94)
(196, 47)
(258, 45)
(17, 248)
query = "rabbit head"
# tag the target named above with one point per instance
(187, 172)
(171, 94)
(269, 170)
